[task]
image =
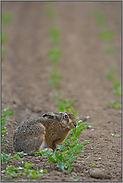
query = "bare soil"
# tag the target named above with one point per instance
(84, 63)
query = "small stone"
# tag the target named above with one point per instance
(73, 174)
(100, 173)
(65, 172)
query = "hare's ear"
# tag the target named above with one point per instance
(48, 116)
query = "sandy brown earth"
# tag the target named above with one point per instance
(84, 63)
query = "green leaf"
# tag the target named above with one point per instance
(60, 107)
(109, 49)
(117, 91)
(6, 18)
(74, 179)
(29, 165)
(106, 35)
(58, 156)
(51, 159)
(15, 175)
(55, 35)
(61, 147)
(46, 153)
(115, 105)
(5, 157)
(55, 55)
(79, 151)
(117, 83)
(61, 165)
(10, 168)
(99, 17)
(69, 169)
(16, 156)
(4, 38)
(66, 142)
(45, 171)
(26, 171)
(3, 132)
(73, 159)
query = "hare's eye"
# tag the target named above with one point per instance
(66, 116)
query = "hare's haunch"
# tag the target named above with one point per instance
(46, 132)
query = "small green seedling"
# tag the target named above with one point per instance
(51, 12)
(55, 77)
(6, 18)
(116, 85)
(118, 91)
(65, 105)
(55, 55)
(115, 105)
(111, 73)
(106, 35)
(99, 17)
(113, 134)
(93, 165)
(5, 157)
(92, 148)
(6, 112)
(18, 156)
(74, 179)
(14, 172)
(109, 49)
(4, 38)
(55, 35)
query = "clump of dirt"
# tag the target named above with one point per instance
(84, 63)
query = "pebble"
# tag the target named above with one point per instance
(65, 172)
(100, 173)
(73, 174)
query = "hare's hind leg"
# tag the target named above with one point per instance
(42, 140)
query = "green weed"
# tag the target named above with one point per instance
(99, 17)
(5, 157)
(116, 85)
(6, 18)
(106, 35)
(55, 35)
(55, 55)
(55, 77)
(18, 156)
(93, 165)
(13, 172)
(51, 12)
(65, 105)
(111, 73)
(4, 38)
(113, 134)
(118, 91)
(109, 49)
(74, 179)
(6, 112)
(115, 105)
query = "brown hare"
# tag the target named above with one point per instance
(46, 132)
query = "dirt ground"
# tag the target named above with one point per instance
(84, 63)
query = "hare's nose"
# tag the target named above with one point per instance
(75, 126)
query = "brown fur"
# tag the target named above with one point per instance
(47, 131)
